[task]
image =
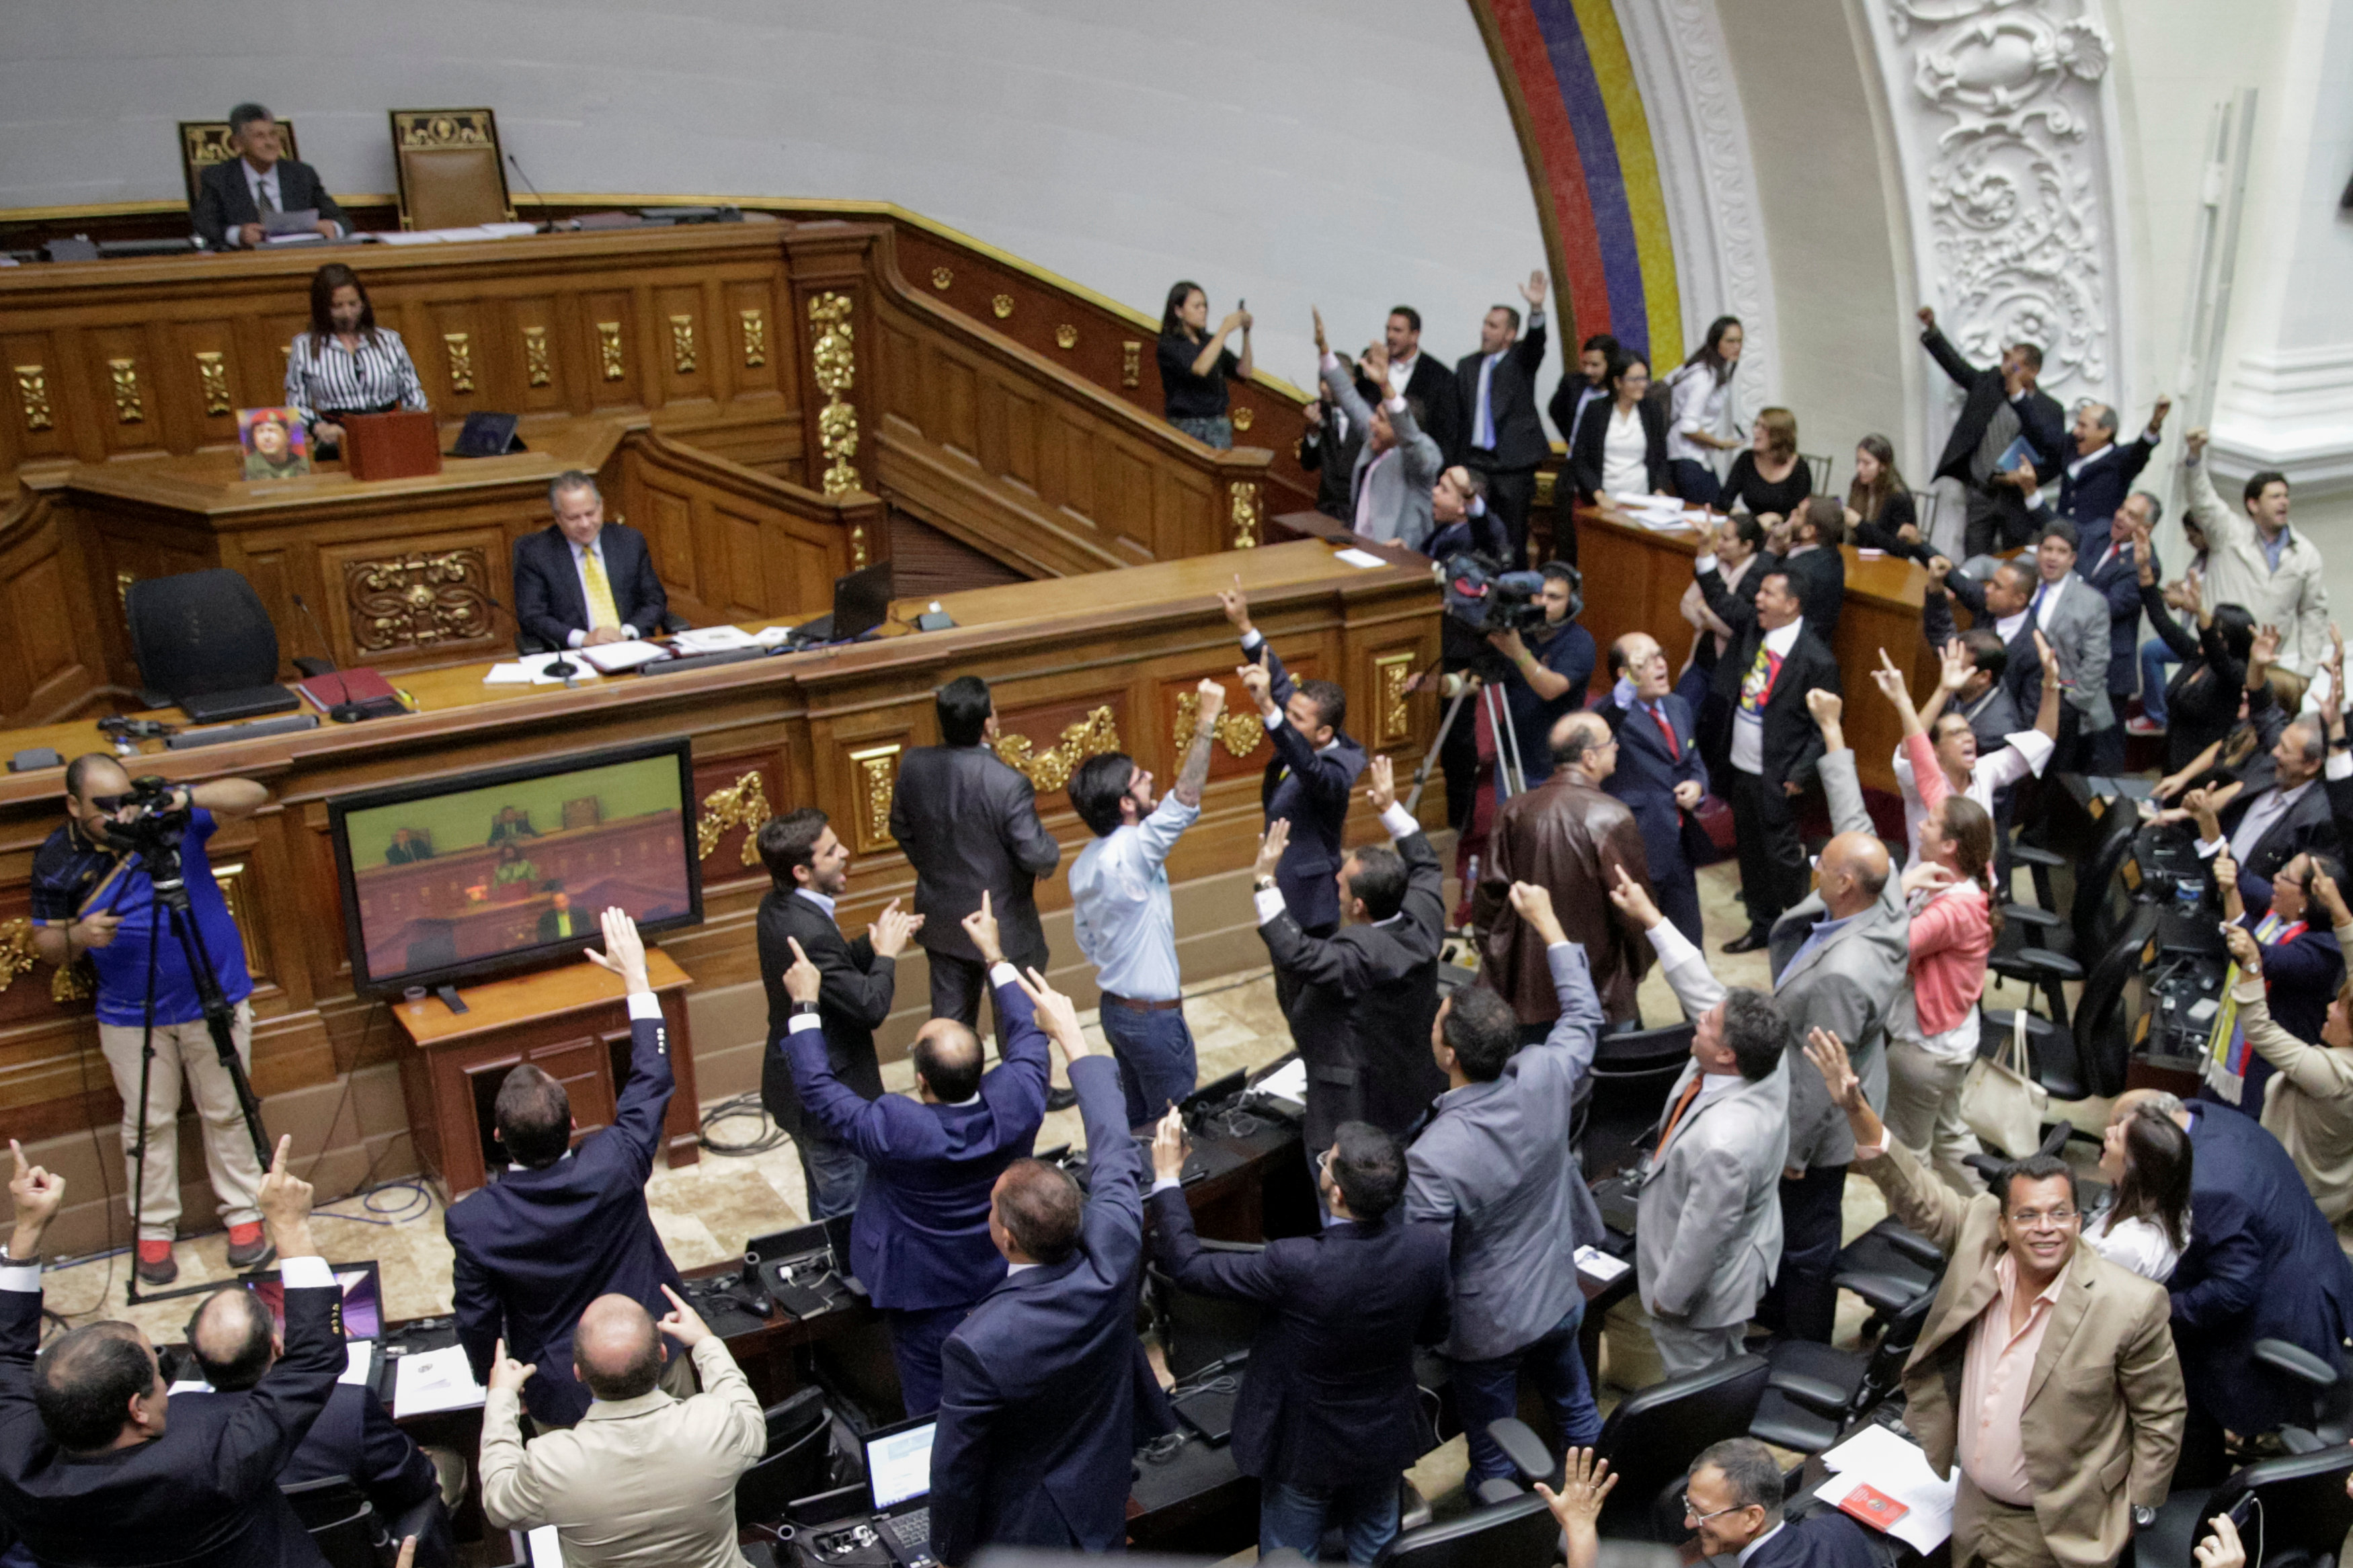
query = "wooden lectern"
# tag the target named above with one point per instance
(572, 1023)
(399, 445)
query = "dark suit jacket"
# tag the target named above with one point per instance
(204, 1495)
(1328, 1396)
(354, 1436)
(1646, 776)
(1994, 718)
(1334, 464)
(2310, 824)
(2262, 1264)
(853, 997)
(2117, 575)
(549, 604)
(1443, 417)
(1820, 577)
(583, 924)
(407, 854)
(2039, 418)
(225, 202)
(1366, 997)
(1793, 743)
(1823, 1538)
(2021, 675)
(1586, 454)
(920, 1236)
(969, 824)
(1038, 1419)
(1520, 440)
(1309, 788)
(534, 1248)
(2092, 493)
(1565, 400)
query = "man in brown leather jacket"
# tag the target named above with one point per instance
(1566, 836)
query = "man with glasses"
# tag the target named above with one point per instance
(2067, 1446)
(1733, 1502)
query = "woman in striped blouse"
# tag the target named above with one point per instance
(346, 364)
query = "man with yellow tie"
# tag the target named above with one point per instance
(583, 582)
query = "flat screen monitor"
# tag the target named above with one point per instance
(463, 877)
(360, 1314)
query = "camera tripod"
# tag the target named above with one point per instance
(1509, 778)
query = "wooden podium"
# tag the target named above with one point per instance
(399, 445)
(572, 1023)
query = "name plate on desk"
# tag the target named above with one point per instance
(397, 446)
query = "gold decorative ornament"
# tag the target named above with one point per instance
(745, 804)
(18, 954)
(1091, 737)
(1239, 734)
(452, 127)
(755, 337)
(1243, 418)
(858, 547)
(1249, 516)
(418, 600)
(76, 982)
(874, 774)
(1066, 336)
(462, 361)
(1002, 305)
(834, 361)
(212, 374)
(1393, 720)
(33, 390)
(608, 350)
(123, 581)
(536, 367)
(681, 345)
(128, 408)
(232, 887)
(1543, 489)
(1130, 363)
(942, 277)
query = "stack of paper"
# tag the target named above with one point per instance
(531, 669)
(1599, 1266)
(434, 1380)
(546, 1548)
(455, 236)
(716, 639)
(1876, 1458)
(1360, 559)
(613, 656)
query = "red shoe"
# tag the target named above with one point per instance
(248, 1247)
(156, 1265)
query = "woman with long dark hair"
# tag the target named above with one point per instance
(343, 362)
(1699, 424)
(2145, 1157)
(1880, 513)
(1620, 444)
(2201, 700)
(1195, 364)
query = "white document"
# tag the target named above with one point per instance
(618, 656)
(1360, 559)
(1599, 1266)
(1287, 1082)
(1878, 1458)
(509, 230)
(532, 670)
(359, 1360)
(770, 636)
(716, 639)
(545, 1549)
(434, 1380)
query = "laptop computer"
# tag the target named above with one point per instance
(898, 1475)
(861, 602)
(359, 1315)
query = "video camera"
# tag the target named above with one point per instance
(155, 828)
(1485, 598)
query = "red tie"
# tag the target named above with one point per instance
(1691, 1093)
(1673, 751)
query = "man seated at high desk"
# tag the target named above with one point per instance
(560, 919)
(235, 198)
(582, 582)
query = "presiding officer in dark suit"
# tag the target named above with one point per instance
(1045, 1394)
(811, 867)
(1329, 1412)
(234, 1344)
(968, 822)
(1503, 439)
(580, 582)
(98, 1464)
(1658, 775)
(920, 1243)
(534, 1248)
(230, 195)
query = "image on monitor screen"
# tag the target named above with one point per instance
(479, 872)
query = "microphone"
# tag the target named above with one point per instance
(562, 668)
(531, 188)
(325, 646)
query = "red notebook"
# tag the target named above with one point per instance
(361, 685)
(1873, 1507)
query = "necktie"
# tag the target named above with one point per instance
(1673, 751)
(1691, 1093)
(601, 612)
(1486, 434)
(262, 198)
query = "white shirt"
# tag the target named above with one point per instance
(2265, 810)
(1625, 452)
(819, 899)
(1400, 373)
(2140, 1244)
(1751, 1549)
(1749, 726)
(256, 184)
(580, 569)
(2028, 753)
(1700, 402)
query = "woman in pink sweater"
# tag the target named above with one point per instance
(1932, 1032)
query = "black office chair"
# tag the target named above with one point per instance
(1631, 1074)
(1195, 1331)
(1888, 1265)
(798, 1462)
(2300, 1513)
(1653, 1435)
(2113, 998)
(203, 640)
(1814, 1392)
(2332, 1396)
(2103, 900)
(1518, 1533)
(343, 1525)
(1989, 1165)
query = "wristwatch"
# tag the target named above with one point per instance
(2143, 1517)
(1264, 884)
(805, 1010)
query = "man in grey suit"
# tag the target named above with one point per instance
(2074, 618)
(969, 824)
(1495, 1164)
(1399, 465)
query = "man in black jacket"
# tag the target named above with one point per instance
(1414, 375)
(1816, 566)
(811, 867)
(1328, 1414)
(1775, 659)
(232, 196)
(1496, 390)
(968, 822)
(234, 1345)
(2002, 404)
(1366, 994)
(581, 582)
(96, 1464)
(1329, 448)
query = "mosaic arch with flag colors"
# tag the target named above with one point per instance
(1565, 72)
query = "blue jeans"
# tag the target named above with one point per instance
(835, 1175)
(2156, 659)
(1154, 1051)
(1365, 1510)
(1488, 1391)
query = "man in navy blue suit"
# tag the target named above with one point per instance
(2109, 561)
(1038, 1419)
(581, 581)
(1733, 1495)
(560, 1230)
(920, 1242)
(2099, 471)
(1659, 773)
(2262, 1264)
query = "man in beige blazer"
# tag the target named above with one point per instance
(2046, 1372)
(645, 1479)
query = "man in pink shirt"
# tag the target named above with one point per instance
(2046, 1372)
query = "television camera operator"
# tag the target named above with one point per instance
(94, 890)
(1536, 658)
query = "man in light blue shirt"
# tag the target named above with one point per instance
(1123, 917)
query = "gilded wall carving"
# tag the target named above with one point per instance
(462, 361)
(537, 368)
(874, 776)
(755, 337)
(33, 391)
(420, 600)
(1096, 733)
(681, 345)
(1248, 515)
(212, 377)
(608, 350)
(1240, 732)
(128, 408)
(833, 360)
(745, 804)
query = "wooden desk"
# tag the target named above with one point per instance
(1634, 581)
(1078, 666)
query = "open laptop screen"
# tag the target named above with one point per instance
(898, 1463)
(360, 1314)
